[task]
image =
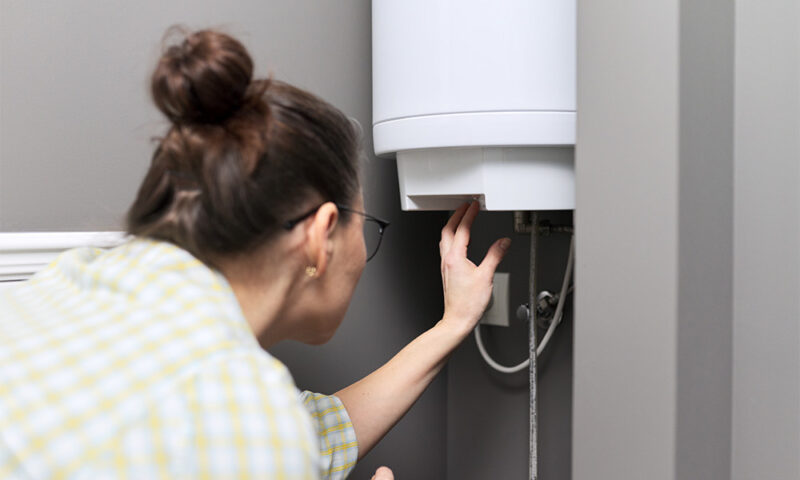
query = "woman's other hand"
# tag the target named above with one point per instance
(467, 287)
(383, 473)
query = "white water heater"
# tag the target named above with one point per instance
(477, 99)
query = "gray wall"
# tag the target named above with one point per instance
(487, 411)
(687, 362)
(766, 361)
(75, 117)
(626, 220)
(75, 124)
(705, 240)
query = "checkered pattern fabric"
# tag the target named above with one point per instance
(137, 362)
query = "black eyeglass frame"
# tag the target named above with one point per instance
(382, 224)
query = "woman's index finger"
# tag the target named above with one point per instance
(455, 219)
(462, 232)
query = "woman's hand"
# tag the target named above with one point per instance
(467, 287)
(383, 473)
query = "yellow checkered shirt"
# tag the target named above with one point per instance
(136, 362)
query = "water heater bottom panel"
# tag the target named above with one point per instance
(501, 178)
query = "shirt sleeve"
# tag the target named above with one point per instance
(337, 437)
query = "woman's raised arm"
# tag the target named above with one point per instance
(376, 402)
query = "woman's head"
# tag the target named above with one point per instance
(241, 156)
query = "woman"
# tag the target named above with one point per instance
(142, 361)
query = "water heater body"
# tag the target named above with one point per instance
(477, 99)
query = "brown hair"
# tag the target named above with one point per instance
(242, 156)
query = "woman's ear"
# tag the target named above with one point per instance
(319, 231)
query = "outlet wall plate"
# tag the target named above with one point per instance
(497, 312)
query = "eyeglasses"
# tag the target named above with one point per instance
(373, 227)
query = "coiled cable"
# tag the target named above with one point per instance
(557, 316)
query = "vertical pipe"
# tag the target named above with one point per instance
(533, 462)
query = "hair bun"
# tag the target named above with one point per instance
(204, 79)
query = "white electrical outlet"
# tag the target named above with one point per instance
(497, 311)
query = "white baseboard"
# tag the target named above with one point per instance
(23, 254)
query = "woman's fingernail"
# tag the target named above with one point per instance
(505, 243)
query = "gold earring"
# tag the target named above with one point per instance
(311, 271)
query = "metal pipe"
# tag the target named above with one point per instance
(532, 289)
